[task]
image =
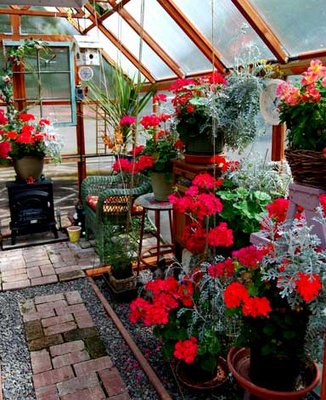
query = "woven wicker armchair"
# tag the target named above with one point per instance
(106, 201)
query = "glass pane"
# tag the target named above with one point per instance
(56, 59)
(49, 25)
(32, 86)
(57, 113)
(299, 24)
(50, 59)
(82, 23)
(115, 53)
(5, 23)
(132, 40)
(231, 32)
(170, 36)
(55, 86)
(102, 75)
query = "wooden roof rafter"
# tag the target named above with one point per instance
(262, 29)
(117, 42)
(107, 14)
(160, 52)
(40, 13)
(193, 33)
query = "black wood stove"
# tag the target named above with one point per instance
(31, 208)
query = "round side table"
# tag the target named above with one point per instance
(151, 256)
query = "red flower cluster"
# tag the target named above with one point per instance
(187, 89)
(163, 145)
(278, 209)
(167, 294)
(222, 269)
(308, 286)
(127, 120)
(25, 136)
(186, 350)
(251, 256)
(150, 121)
(133, 166)
(237, 295)
(200, 202)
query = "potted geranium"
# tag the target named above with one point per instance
(278, 294)
(303, 108)
(187, 315)
(27, 142)
(191, 120)
(161, 148)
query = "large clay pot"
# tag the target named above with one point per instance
(239, 365)
(28, 167)
(162, 185)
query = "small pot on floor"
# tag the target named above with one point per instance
(122, 281)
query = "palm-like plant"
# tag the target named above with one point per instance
(122, 97)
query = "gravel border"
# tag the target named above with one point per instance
(15, 359)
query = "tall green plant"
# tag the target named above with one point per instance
(121, 97)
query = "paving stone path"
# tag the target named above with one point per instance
(69, 360)
(57, 262)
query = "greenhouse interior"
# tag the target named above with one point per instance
(163, 199)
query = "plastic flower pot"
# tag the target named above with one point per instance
(74, 233)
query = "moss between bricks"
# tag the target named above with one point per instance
(95, 347)
(33, 330)
(80, 334)
(45, 342)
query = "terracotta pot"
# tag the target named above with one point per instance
(193, 377)
(162, 187)
(28, 167)
(238, 361)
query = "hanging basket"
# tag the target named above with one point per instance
(308, 167)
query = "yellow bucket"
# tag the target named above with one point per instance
(74, 233)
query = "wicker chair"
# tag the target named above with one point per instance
(106, 202)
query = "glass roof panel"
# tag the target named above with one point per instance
(82, 23)
(165, 31)
(115, 53)
(132, 40)
(50, 25)
(300, 24)
(231, 32)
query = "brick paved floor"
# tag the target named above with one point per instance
(69, 360)
(44, 264)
